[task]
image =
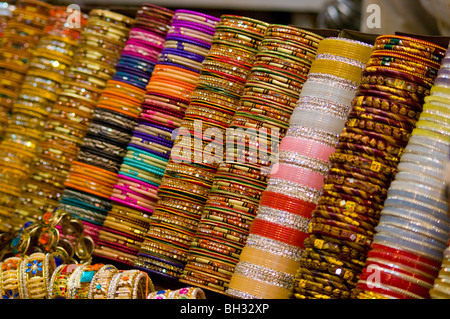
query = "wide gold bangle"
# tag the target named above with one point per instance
(35, 271)
(9, 278)
(100, 283)
(130, 284)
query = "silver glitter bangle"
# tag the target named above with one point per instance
(313, 164)
(283, 218)
(330, 107)
(294, 190)
(264, 274)
(274, 247)
(314, 134)
(338, 58)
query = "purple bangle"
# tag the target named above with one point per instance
(149, 138)
(193, 26)
(130, 204)
(208, 18)
(179, 30)
(189, 55)
(188, 39)
(167, 61)
(133, 180)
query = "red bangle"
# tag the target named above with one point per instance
(395, 251)
(409, 262)
(277, 232)
(394, 281)
(388, 264)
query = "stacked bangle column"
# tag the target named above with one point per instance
(20, 36)
(188, 175)
(93, 174)
(441, 289)
(94, 64)
(168, 93)
(269, 260)
(384, 113)
(412, 233)
(52, 56)
(262, 118)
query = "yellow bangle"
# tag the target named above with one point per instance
(100, 282)
(335, 68)
(130, 284)
(258, 288)
(34, 275)
(347, 48)
(9, 278)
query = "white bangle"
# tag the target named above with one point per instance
(317, 120)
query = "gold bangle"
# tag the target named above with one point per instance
(100, 282)
(34, 275)
(9, 277)
(345, 47)
(130, 284)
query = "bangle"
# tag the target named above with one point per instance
(99, 285)
(35, 273)
(183, 293)
(9, 276)
(130, 284)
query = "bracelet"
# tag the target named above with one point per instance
(183, 293)
(34, 275)
(130, 284)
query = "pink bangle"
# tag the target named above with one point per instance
(137, 183)
(299, 175)
(130, 204)
(306, 147)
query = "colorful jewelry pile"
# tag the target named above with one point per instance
(99, 49)
(93, 174)
(385, 111)
(19, 37)
(412, 233)
(188, 175)
(262, 118)
(168, 91)
(51, 57)
(274, 246)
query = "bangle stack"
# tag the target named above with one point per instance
(51, 57)
(175, 74)
(242, 178)
(188, 176)
(94, 61)
(40, 276)
(363, 166)
(412, 234)
(20, 36)
(93, 174)
(294, 185)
